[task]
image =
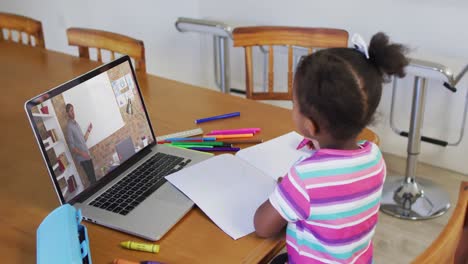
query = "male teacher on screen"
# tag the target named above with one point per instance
(77, 143)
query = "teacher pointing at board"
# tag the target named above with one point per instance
(77, 143)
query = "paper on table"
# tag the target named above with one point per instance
(227, 189)
(275, 156)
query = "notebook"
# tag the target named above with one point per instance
(239, 183)
(99, 146)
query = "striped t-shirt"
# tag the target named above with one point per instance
(331, 201)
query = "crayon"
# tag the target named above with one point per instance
(153, 248)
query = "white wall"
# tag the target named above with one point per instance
(168, 53)
(434, 30)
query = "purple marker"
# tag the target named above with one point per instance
(215, 149)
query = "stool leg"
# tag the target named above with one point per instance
(221, 63)
(404, 197)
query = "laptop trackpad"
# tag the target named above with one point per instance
(169, 193)
(152, 218)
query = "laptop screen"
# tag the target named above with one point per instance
(91, 125)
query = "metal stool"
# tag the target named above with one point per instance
(221, 35)
(405, 197)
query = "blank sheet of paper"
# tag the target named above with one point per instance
(227, 189)
(275, 156)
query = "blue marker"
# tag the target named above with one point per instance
(198, 121)
(200, 139)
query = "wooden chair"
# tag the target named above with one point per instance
(115, 43)
(451, 246)
(309, 38)
(27, 28)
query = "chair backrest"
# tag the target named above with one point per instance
(451, 246)
(26, 27)
(310, 38)
(86, 38)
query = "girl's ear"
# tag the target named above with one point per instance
(311, 127)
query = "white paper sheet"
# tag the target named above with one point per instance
(227, 189)
(275, 156)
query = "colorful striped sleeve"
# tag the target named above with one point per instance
(290, 198)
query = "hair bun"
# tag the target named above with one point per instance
(389, 58)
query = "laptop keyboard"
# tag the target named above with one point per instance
(133, 189)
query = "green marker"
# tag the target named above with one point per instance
(190, 146)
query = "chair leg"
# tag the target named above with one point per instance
(280, 259)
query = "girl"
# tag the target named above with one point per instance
(330, 200)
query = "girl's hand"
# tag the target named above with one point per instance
(313, 144)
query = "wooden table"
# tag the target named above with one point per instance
(27, 195)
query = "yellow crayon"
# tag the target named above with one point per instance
(153, 248)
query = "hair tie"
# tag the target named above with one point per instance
(360, 45)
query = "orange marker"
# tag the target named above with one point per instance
(242, 141)
(233, 136)
(123, 261)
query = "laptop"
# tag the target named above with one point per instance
(99, 146)
(125, 149)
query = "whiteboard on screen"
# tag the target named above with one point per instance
(94, 102)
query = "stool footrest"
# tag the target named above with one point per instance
(428, 139)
